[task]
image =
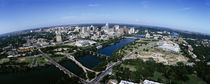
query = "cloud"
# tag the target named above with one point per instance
(185, 9)
(93, 5)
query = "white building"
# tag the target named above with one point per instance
(126, 82)
(150, 82)
(147, 35)
(116, 27)
(83, 43)
(169, 45)
(131, 30)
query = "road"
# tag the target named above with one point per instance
(104, 73)
(34, 61)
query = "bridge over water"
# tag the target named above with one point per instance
(66, 71)
(85, 69)
(99, 54)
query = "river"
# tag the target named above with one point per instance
(50, 75)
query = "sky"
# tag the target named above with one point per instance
(191, 15)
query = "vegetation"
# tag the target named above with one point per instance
(153, 71)
(19, 68)
(66, 80)
(91, 75)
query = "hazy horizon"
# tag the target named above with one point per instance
(189, 15)
(121, 24)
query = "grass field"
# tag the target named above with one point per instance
(130, 67)
(193, 79)
(41, 60)
(4, 61)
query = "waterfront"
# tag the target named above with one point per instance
(51, 75)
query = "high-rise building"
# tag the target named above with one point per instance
(125, 30)
(58, 36)
(107, 26)
(131, 30)
(116, 27)
(92, 28)
(121, 31)
(147, 35)
(83, 30)
(88, 29)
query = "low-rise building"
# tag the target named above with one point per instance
(25, 49)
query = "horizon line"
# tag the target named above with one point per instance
(146, 25)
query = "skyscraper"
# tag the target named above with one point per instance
(125, 30)
(83, 30)
(147, 35)
(58, 36)
(116, 27)
(131, 30)
(107, 26)
(121, 31)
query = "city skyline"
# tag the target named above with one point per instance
(191, 15)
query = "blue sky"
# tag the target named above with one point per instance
(192, 15)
